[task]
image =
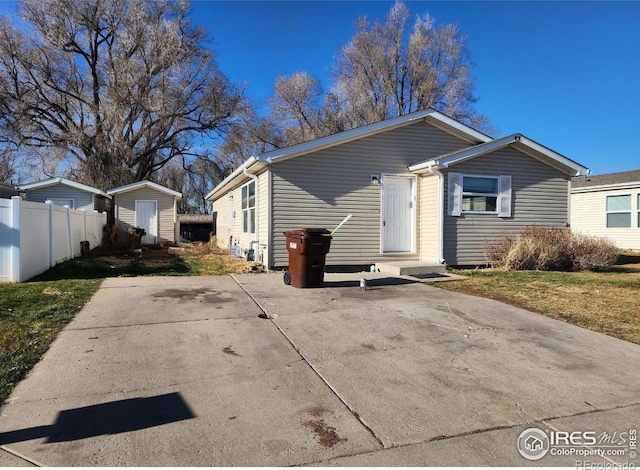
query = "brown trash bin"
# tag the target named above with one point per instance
(308, 248)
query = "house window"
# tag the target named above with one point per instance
(63, 202)
(480, 194)
(619, 211)
(249, 207)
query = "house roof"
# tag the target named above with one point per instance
(144, 183)
(621, 180)
(64, 181)
(8, 186)
(428, 115)
(517, 141)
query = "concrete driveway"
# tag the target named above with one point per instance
(181, 371)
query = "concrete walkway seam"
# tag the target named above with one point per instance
(335, 392)
(21, 457)
(550, 426)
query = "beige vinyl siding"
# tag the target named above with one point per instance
(224, 233)
(7, 192)
(321, 188)
(83, 200)
(539, 196)
(264, 217)
(588, 216)
(125, 211)
(428, 223)
(221, 207)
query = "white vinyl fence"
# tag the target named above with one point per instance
(36, 236)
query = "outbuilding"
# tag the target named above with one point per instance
(64, 192)
(149, 206)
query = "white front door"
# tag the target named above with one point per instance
(397, 214)
(147, 218)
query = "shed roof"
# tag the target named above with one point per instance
(196, 218)
(64, 181)
(607, 180)
(142, 184)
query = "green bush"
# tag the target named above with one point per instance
(537, 248)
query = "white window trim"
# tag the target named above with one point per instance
(629, 211)
(496, 195)
(455, 186)
(243, 210)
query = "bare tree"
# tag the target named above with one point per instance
(389, 70)
(122, 86)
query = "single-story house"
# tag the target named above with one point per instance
(8, 191)
(149, 206)
(608, 206)
(64, 192)
(421, 187)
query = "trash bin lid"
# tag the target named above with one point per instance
(308, 232)
(315, 231)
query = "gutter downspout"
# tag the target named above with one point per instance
(254, 242)
(440, 212)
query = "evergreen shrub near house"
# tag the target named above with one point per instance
(537, 248)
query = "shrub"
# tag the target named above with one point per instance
(550, 249)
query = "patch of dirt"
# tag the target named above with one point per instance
(327, 435)
(229, 350)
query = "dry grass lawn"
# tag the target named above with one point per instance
(607, 302)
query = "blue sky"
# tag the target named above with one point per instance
(566, 74)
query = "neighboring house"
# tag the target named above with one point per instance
(7, 191)
(422, 187)
(608, 206)
(148, 206)
(63, 192)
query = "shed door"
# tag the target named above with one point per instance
(147, 218)
(397, 214)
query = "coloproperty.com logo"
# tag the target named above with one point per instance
(534, 444)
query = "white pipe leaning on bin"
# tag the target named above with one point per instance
(341, 224)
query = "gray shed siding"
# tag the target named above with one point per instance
(7, 192)
(539, 196)
(125, 212)
(83, 200)
(321, 188)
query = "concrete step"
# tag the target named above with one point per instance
(410, 268)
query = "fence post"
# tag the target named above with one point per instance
(69, 232)
(52, 261)
(16, 257)
(96, 234)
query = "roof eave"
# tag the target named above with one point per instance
(64, 181)
(134, 186)
(521, 143)
(228, 183)
(606, 187)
